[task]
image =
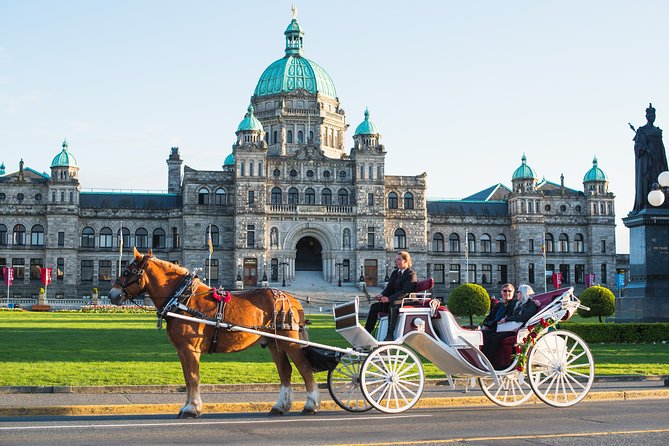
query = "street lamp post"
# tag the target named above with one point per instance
(283, 269)
(660, 191)
(386, 279)
(338, 265)
(362, 274)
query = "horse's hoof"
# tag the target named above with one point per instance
(309, 411)
(275, 412)
(185, 414)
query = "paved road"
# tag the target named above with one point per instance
(588, 423)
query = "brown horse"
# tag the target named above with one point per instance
(162, 280)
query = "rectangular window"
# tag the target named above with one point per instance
(530, 273)
(439, 273)
(603, 269)
(3, 235)
(3, 264)
(124, 265)
(35, 266)
(564, 271)
(530, 247)
(454, 274)
(370, 237)
(86, 270)
(213, 275)
(251, 197)
(502, 274)
(346, 270)
(471, 274)
(550, 269)
(579, 273)
(61, 239)
(250, 236)
(104, 271)
(603, 246)
(60, 268)
(19, 267)
(362, 172)
(486, 274)
(370, 199)
(370, 172)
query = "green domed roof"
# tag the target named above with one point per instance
(595, 174)
(249, 122)
(366, 127)
(64, 158)
(524, 171)
(293, 71)
(229, 160)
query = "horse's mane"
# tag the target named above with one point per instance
(173, 267)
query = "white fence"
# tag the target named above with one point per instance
(65, 304)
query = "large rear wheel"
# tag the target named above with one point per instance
(560, 368)
(392, 378)
(513, 389)
(344, 385)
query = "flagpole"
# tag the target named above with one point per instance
(466, 255)
(211, 248)
(543, 253)
(120, 248)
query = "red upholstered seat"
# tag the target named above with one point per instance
(424, 285)
(504, 356)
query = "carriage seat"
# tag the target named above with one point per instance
(450, 331)
(420, 297)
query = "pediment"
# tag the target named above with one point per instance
(309, 153)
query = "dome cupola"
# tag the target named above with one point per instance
(524, 172)
(64, 158)
(250, 122)
(595, 173)
(367, 127)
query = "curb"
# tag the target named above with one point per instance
(264, 407)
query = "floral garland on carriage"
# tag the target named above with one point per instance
(522, 349)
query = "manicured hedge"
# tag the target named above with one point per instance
(620, 333)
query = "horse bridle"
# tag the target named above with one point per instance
(133, 274)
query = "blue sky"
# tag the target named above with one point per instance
(459, 89)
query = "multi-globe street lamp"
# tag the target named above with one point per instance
(660, 191)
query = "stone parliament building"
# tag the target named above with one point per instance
(291, 197)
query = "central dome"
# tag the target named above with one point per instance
(293, 71)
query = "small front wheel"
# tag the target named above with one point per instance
(560, 368)
(513, 389)
(392, 378)
(344, 385)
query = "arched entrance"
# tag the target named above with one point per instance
(308, 256)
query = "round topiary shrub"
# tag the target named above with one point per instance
(469, 299)
(601, 301)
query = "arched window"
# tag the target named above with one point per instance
(550, 242)
(346, 238)
(293, 196)
(276, 195)
(3, 235)
(408, 200)
(142, 238)
(106, 238)
(400, 239)
(342, 197)
(251, 168)
(289, 136)
(124, 235)
(300, 136)
(37, 235)
(309, 196)
(579, 245)
(471, 242)
(215, 240)
(203, 196)
(392, 200)
(220, 197)
(260, 172)
(501, 243)
(275, 136)
(454, 242)
(158, 239)
(176, 240)
(88, 238)
(486, 244)
(311, 135)
(19, 235)
(326, 196)
(438, 242)
(564, 243)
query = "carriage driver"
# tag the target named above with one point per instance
(402, 282)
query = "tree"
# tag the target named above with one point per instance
(469, 299)
(601, 301)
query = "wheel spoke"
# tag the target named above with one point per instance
(575, 381)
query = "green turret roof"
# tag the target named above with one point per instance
(250, 122)
(366, 127)
(524, 171)
(229, 160)
(595, 173)
(294, 71)
(64, 158)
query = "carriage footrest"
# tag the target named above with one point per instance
(321, 359)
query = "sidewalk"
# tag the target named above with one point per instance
(147, 400)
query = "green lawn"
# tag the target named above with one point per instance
(60, 349)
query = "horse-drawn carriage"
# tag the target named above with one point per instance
(555, 365)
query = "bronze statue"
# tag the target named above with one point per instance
(650, 157)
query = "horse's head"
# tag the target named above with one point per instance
(132, 281)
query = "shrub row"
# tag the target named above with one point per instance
(619, 333)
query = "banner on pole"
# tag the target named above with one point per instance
(8, 273)
(557, 280)
(45, 276)
(589, 280)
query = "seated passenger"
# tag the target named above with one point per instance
(508, 326)
(402, 282)
(501, 309)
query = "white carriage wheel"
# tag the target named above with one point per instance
(344, 384)
(392, 378)
(560, 368)
(513, 389)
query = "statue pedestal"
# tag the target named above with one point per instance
(646, 296)
(264, 284)
(239, 285)
(41, 300)
(361, 285)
